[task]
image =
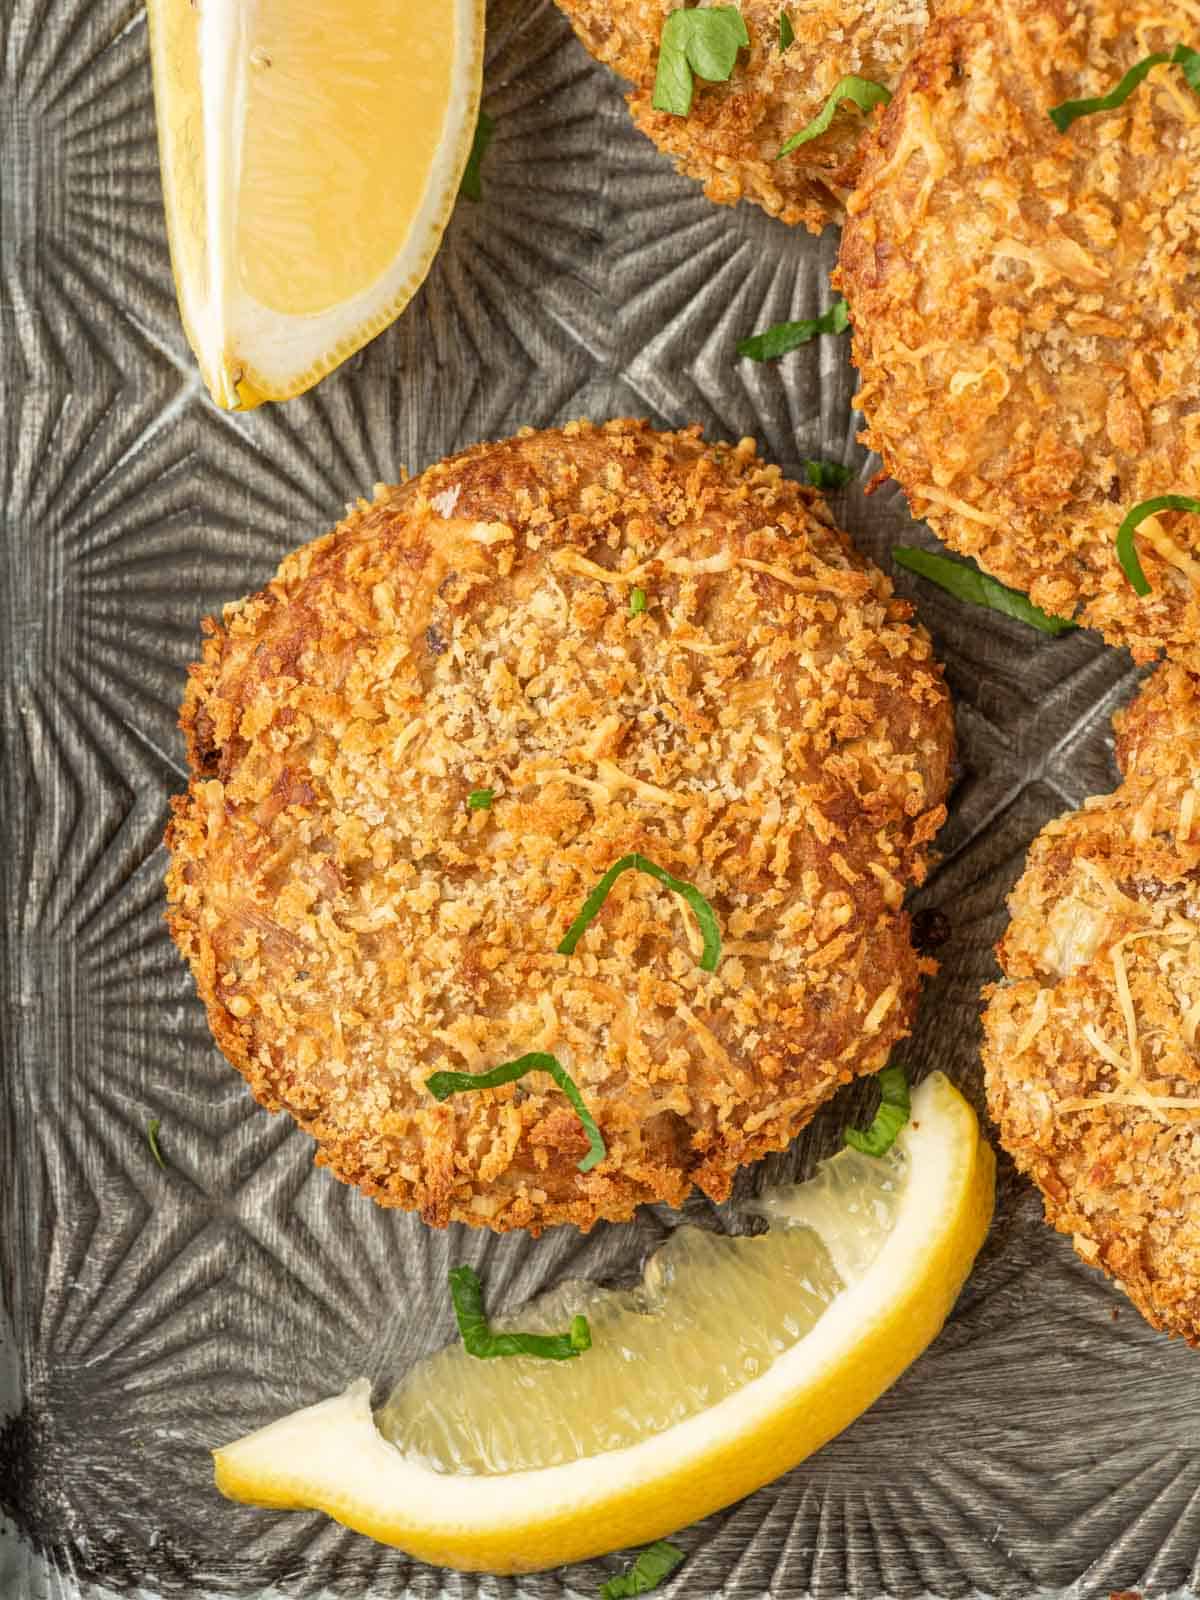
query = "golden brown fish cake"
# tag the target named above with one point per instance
(770, 727)
(1024, 305)
(731, 138)
(1090, 1051)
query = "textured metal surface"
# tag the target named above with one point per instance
(1047, 1442)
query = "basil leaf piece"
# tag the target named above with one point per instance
(704, 40)
(471, 187)
(654, 1564)
(443, 1084)
(1127, 554)
(787, 34)
(1069, 111)
(480, 1341)
(866, 95)
(705, 915)
(783, 337)
(893, 1113)
(978, 589)
(827, 474)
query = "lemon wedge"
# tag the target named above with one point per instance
(311, 152)
(732, 1360)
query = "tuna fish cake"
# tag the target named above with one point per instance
(415, 752)
(1024, 305)
(1092, 1063)
(731, 138)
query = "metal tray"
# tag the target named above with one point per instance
(1048, 1444)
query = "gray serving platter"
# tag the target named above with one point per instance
(1048, 1443)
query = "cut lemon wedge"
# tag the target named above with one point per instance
(311, 153)
(732, 1360)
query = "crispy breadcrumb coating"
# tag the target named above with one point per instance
(1090, 1051)
(1024, 305)
(734, 132)
(771, 727)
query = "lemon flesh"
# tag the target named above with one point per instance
(514, 1465)
(311, 153)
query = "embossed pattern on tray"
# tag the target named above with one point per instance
(1048, 1442)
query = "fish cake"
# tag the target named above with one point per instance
(616, 641)
(1024, 305)
(732, 136)
(1093, 1071)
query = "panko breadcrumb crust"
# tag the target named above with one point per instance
(731, 139)
(1090, 1050)
(1025, 305)
(770, 727)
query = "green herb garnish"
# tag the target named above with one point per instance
(827, 474)
(653, 1565)
(787, 34)
(705, 915)
(889, 1119)
(977, 588)
(152, 1128)
(704, 40)
(863, 91)
(471, 187)
(1065, 114)
(637, 602)
(1126, 549)
(782, 337)
(480, 799)
(480, 1341)
(443, 1084)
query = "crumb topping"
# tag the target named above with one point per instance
(1024, 306)
(771, 728)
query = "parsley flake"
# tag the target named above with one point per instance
(653, 1566)
(1127, 554)
(978, 589)
(787, 34)
(705, 915)
(827, 474)
(480, 799)
(443, 1084)
(471, 186)
(480, 1341)
(893, 1113)
(703, 40)
(1065, 114)
(865, 94)
(783, 337)
(152, 1127)
(637, 602)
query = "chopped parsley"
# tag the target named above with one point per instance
(152, 1127)
(977, 588)
(783, 337)
(471, 187)
(827, 474)
(865, 94)
(653, 1566)
(705, 915)
(787, 34)
(893, 1112)
(479, 1340)
(703, 40)
(1127, 554)
(480, 799)
(1065, 114)
(443, 1084)
(637, 602)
